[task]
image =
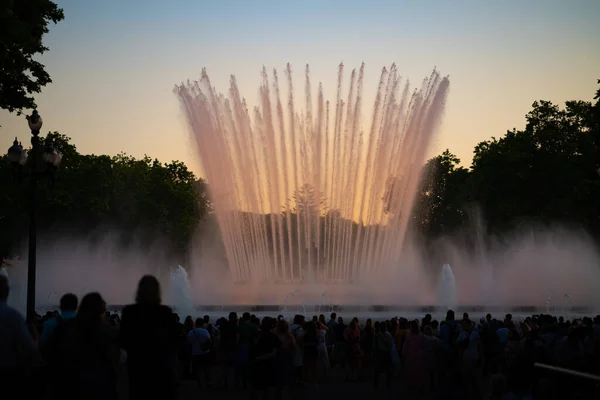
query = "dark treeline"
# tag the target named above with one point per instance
(141, 199)
(545, 174)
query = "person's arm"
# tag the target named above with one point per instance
(268, 356)
(292, 338)
(271, 354)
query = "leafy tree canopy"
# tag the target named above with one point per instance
(132, 196)
(23, 24)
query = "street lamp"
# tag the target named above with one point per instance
(18, 158)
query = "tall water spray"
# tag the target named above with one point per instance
(447, 297)
(310, 195)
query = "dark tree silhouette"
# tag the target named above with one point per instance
(23, 24)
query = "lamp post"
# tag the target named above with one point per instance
(18, 157)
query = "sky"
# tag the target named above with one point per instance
(114, 63)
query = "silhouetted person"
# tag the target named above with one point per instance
(94, 352)
(68, 311)
(149, 334)
(17, 347)
(56, 341)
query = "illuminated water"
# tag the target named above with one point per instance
(311, 190)
(312, 200)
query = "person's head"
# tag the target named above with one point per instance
(450, 316)
(233, 318)
(340, 320)
(266, 324)
(68, 302)
(428, 317)
(4, 288)
(466, 325)
(298, 319)
(465, 316)
(188, 323)
(322, 319)
(333, 316)
(148, 291)
(246, 317)
(414, 327)
(199, 322)
(488, 317)
(92, 309)
(282, 326)
(206, 319)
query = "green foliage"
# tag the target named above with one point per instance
(546, 173)
(142, 197)
(442, 195)
(23, 24)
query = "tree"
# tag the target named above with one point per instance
(307, 202)
(22, 26)
(142, 198)
(543, 173)
(442, 196)
(596, 126)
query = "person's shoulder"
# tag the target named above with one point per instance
(166, 310)
(13, 315)
(49, 323)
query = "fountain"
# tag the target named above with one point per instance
(310, 196)
(180, 295)
(327, 302)
(321, 199)
(447, 288)
(568, 306)
(295, 295)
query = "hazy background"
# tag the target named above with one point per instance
(114, 65)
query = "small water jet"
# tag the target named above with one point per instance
(446, 297)
(325, 299)
(180, 294)
(549, 306)
(295, 295)
(568, 305)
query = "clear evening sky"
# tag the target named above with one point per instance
(114, 62)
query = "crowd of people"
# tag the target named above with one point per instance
(82, 351)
